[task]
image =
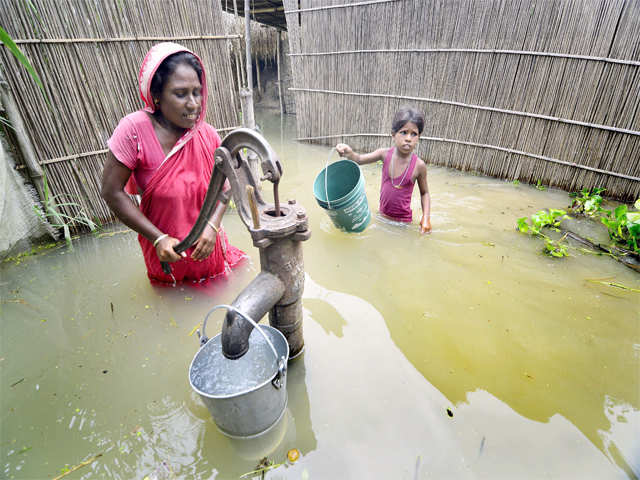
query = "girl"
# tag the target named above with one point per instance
(401, 168)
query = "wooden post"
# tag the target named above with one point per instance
(28, 153)
(246, 100)
(24, 142)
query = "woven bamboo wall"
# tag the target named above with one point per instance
(88, 57)
(543, 91)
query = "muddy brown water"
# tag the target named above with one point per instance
(461, 354)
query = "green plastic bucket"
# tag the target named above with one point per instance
(339, 189)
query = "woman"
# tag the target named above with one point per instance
(165, 153)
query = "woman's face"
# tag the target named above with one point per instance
(181, 99)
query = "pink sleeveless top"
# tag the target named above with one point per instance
(395, 198)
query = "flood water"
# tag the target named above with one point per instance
(461, 354)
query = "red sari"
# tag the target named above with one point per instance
(172, 201)
(175, 190)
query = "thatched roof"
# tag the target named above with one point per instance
(267, 12)
(264, 39)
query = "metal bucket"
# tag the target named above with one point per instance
(246, 396)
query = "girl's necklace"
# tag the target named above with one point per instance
(398, 186)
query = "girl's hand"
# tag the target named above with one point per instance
(165, 251)
(205, 244)
(344, 150)
(425, 226)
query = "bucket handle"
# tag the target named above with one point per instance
(282, 365)
(326, 174)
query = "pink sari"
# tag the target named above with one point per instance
(174, 195)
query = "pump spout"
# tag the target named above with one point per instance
(258, 298)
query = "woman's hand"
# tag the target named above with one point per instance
(165, 251)
(425, 225)
(205, 244)
(344, 150)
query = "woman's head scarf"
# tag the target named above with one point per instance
(154, 58)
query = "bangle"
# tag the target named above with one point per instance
(216, 229)
(157, 240)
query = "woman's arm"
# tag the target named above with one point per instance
(207, 241)
(360, 158)
(425, 198)
(114, 177)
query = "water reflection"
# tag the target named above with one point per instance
(480, 437)
(622, 440)
(293, 430)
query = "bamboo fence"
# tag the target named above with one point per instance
(88, 53)
(545, 91)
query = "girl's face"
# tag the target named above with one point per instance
(181, 99)
(406, 138)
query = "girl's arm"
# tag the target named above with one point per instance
(114, 177)
(425, 198)
(360, 158)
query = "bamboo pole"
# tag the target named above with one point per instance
(32, 41)
(466, 105)
(278, 54)
(235, 12)
(470, 50)
(345, 5)
(478, 145)
(80, 465)
(247, 94)
(267, 10)
(103, 151)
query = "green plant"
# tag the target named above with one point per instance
(555, 248)
(51, 213)
(539, 185)
(35, 250)
(623, 225)
(587, 201)
(552, 219)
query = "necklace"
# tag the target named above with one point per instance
(399, 185)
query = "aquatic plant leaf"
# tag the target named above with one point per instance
(522, 225)
(620, 211)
